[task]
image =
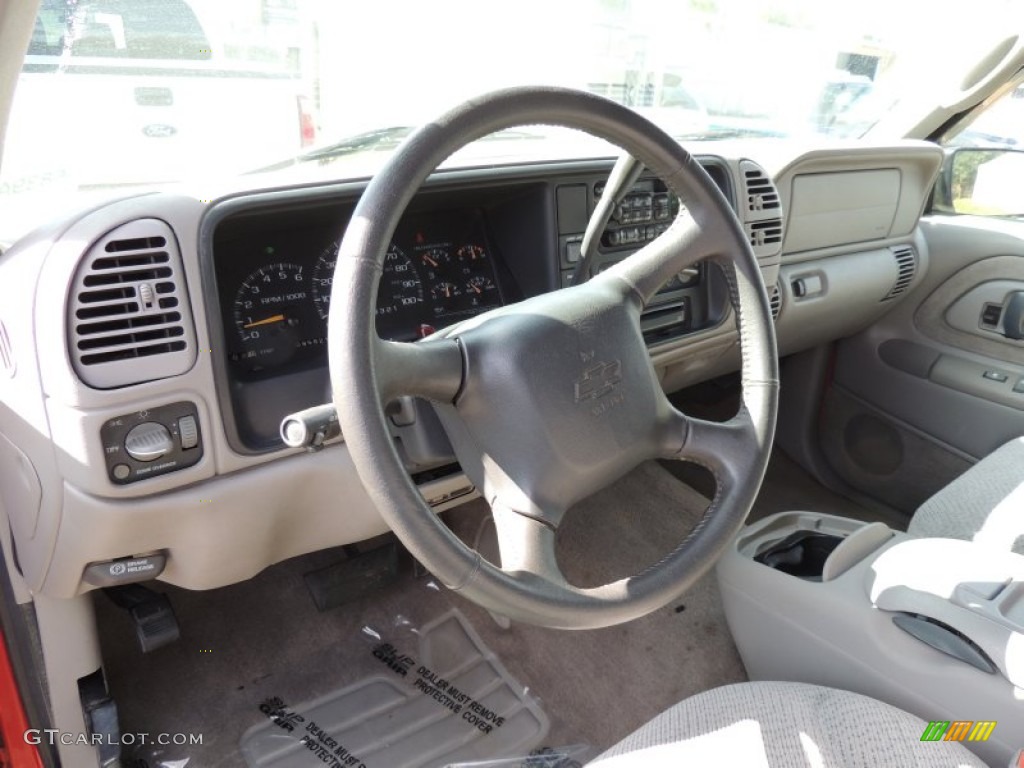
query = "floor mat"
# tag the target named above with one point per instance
(454, 702)
(244, 644)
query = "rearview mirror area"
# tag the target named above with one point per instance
(981, 182)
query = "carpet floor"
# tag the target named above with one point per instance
(243, 644)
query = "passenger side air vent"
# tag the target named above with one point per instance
(775, 301)
(760, 210)
(762, 233)
(128, 312)
(906, 268)
(760, 193)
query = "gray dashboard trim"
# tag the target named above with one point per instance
(349, 192)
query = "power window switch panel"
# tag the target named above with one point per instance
(995, 376)
(991, 314)
(188, 431)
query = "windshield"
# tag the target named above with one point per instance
(120, 93)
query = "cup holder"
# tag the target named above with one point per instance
(802, 554)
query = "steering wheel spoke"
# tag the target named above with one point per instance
(527, 545)
(431, 369)
(680, 247)
(728, 449)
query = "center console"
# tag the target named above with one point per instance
(935, 626)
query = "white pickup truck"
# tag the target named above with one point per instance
(184, 104)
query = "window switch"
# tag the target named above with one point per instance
(990, 314)
(995, 376)
(1019, 386)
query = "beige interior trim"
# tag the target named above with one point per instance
(17, 19)
(930, 317)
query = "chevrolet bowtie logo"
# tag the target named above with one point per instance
(598, 380)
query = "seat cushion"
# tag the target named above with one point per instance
(985, 504)
(783, 724)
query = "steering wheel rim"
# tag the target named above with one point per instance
(469, 373)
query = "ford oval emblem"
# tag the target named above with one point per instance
(159, 131)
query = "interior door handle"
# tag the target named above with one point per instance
(1013, 316)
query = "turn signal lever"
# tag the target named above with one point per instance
(310, 428)
(623, 176)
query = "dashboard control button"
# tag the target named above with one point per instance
(122, 471)
(148, 441)
(188, 431)
(125, 570)
(572, 250)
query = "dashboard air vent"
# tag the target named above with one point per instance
(7, 364)
(760, 210)
(775, 301)
(762, 233)
(128, 315)
(906, 268)
(760, 192)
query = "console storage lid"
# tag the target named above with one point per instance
(973, 590)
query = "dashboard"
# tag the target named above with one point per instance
(151, 345)
(456, 253)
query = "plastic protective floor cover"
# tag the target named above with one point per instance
(449, 702)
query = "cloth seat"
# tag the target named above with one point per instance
(985, 504)
(752, 725)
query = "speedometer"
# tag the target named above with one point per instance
(323, 279)
(399, 295)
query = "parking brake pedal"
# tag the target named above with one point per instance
(155, 623)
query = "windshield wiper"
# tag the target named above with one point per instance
(379, 139)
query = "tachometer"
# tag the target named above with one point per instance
(269, 312)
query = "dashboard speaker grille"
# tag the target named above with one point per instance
(128, 321)
(906, 269)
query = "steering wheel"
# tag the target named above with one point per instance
(551, 399)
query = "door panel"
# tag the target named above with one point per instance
(931, 387)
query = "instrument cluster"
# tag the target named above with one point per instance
(275, 287)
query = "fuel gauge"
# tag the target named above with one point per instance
(444, 292)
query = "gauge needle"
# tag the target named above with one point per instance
(430, 261)
(475, 288)
(265, 321)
